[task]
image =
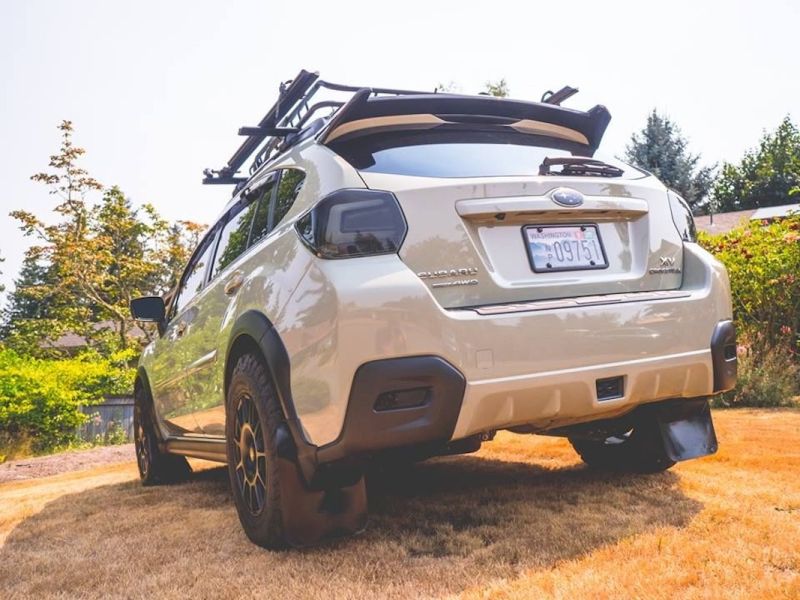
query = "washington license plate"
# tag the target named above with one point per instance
(564, 247)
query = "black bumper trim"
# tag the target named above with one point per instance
(723, 356)
(367, 430)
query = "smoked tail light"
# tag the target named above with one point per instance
(353, 222)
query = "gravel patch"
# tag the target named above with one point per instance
(79, 460)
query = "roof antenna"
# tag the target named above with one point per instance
(550, 97)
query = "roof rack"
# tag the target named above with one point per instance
(290, 118)
(285, 120)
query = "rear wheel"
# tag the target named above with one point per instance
(154, 465)
(253, 416)
(640, 450)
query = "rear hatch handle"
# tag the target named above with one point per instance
(597, 207)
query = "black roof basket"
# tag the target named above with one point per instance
(284, 122)
(287, 116)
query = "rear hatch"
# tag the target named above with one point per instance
(491, 222)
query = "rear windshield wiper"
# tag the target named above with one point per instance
(579, 165)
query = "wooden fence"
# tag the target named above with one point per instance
(111, 421)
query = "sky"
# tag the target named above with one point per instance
(157, 90)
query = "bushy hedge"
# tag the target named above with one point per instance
(763, 262)
(40, 399)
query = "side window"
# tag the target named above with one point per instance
(194, 277)
(288, 188)
(234, 235)
(261, 221)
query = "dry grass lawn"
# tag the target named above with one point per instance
(523, 518)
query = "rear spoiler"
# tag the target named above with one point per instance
(370, 109)
(366, 113)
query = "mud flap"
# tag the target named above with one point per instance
(687, 429)
(310, 516)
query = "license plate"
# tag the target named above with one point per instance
(564, 247)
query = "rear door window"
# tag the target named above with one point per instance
(234, 236)
(274, 200)
(289, 187)
(264, 199)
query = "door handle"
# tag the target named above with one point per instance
(234, 283)
(180, 329)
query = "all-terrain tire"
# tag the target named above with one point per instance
(253, 416)
(155, 467)
(638, 451)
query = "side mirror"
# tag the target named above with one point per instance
(150, 309)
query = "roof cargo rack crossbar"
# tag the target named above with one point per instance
(290, 93)
(286, 118)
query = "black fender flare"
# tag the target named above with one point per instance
(313, 506)
(141, 376)
(292, 443)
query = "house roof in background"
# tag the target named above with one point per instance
(774, 212)
(722, 222)
(71, 340)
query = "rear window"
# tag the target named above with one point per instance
(426, 155)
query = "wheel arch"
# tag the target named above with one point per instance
(253, 332)
(142, 380)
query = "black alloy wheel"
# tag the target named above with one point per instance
(250, 457)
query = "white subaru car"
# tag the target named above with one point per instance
(402, 274)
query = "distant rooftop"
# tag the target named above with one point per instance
(775, 212)
(724, 222)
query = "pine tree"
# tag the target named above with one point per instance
(661, 149)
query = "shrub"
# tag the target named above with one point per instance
(40, 399)
(763, 262)
(768, 379)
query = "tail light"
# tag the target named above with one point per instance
(682, 217)
(354, 222)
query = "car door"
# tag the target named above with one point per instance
(218, 302)
(235, 265)
(178, 351)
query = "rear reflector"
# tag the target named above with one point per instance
(399, 399)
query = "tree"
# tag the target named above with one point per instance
(766, 176)
(123, 256)
(498, 88)
(27, 318)
(86, 267)
(179, 242)
(661, 149)
(58, 251)
(449, 87)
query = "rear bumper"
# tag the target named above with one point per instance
(537, 367)
(441, 406)
(569, 396)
